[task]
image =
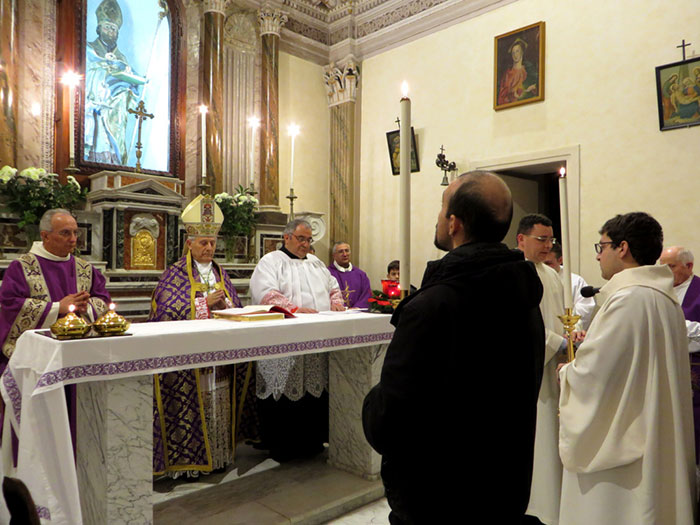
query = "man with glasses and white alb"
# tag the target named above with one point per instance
(535, 239)
(292, 391)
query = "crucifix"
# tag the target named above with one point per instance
(683, 46)
(140, 114)
(398, 122)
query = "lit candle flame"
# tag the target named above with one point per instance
(112, 306)
(70, 78)
(404, 89)
(71, 308)
(203, 109)
(562, 171)
(253, 122)
(293, 130)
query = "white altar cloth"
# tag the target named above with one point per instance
(40, 366)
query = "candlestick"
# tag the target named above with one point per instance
(405, 191)
(203, 112)
(564, 214)
(254, 123)
(71, 80)
(293, 131)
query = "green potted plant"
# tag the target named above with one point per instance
(239, 216)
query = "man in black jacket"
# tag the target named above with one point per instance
(454, 412)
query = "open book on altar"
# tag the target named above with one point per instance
(253, 312)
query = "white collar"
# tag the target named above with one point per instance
(203, 267)
(38, 249)
(341, 269)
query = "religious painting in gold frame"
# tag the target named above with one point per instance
(518, 71)
(678, 94)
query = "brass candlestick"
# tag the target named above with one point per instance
(291, 198)
(569, 321)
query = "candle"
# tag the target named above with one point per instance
(293, 131)
(405, 191)
(254, 123)
(203, 112)
(564, 213)
(70, 79)
(112, 306)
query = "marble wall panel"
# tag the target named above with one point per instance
(114, 447)
(352, 373)
(212, 91)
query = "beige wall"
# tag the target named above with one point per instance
(600, 94)
(302, 100)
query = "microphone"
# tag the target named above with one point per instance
(589, 291)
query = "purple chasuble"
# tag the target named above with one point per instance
(180, 440)
(354, 286)
(27, 308)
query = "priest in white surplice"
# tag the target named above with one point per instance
(626, 423)
(535, 240)
(292, 391)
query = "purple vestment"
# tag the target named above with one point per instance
(182, 440)
(691, 310)
(32, 283)
(354, 285)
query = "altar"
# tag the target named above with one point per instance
(111, 480)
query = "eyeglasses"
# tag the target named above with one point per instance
(540, 238)
(599, 246)
(303, 239)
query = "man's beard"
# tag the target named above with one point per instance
(439, 245)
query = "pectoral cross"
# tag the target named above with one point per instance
(346, 295)
(140, 113)
(683, 46)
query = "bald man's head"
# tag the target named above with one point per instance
(680, 261)
(482, 201)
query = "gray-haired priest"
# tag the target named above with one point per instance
(292, 391)
(39, 286)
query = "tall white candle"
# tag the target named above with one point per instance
(253, 122)
(203, 112)
(71, 80)
(293, 131)
(405, 191)
(566, 253)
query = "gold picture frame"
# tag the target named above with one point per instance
(518, 70)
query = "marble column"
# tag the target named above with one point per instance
(8, 83)
(271, 22)
(115, 450)
(212, 88)
(341, 86)
(352, 373)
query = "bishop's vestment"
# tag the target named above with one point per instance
(626, 428)
(193, 413)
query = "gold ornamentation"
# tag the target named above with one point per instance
(202, 217)
(70, 326)
(569, 321)
(143, 249)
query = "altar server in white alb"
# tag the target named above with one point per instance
(535, 239)
(626, 422)
(292, 391)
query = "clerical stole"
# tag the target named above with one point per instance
(194, 416)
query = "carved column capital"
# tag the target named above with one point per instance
(215, 6)
(341, 81)
(271, 20)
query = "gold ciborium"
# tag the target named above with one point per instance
(70, 326)
(111, 323)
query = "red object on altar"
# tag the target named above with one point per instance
(391, 288)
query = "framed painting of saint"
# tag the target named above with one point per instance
(518, 69)
(678, 94)
(127, 52)
(393, 139)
